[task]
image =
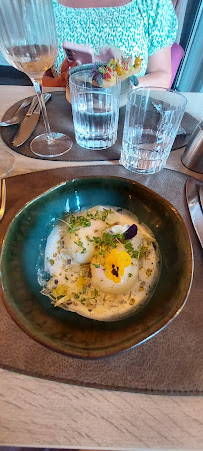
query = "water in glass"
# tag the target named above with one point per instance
(152, 119)
(95, 112)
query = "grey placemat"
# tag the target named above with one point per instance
(60, 118)
(170, 362)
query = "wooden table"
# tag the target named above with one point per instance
(40, 413)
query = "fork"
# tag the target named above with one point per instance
(15, 119)
(2, 197)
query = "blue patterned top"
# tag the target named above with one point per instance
(139, 27)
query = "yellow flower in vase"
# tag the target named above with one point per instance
(115, 264)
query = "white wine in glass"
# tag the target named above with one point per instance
(28, 41)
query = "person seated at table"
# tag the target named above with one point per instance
(138, 27)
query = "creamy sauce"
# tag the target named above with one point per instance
(94, 270)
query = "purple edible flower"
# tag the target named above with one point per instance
(98, 78)
(97, 74)
(130, 232)
(93, 70)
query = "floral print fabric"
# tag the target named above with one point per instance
(142, 27)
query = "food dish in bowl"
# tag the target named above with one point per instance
(94, 255)
(69, 332)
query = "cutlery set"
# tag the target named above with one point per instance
(28, 122)
(18, 114)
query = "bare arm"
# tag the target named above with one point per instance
(158, 69)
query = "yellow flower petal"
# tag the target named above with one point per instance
(112, 258)
(80, 282)
(115, 264)
(112, 277)
(61, 290)
(125, 258)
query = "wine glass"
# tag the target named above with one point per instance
(6, 163)
(28, 41)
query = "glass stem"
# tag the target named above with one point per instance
(38, 89)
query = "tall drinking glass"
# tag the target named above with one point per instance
(95, 110)
(28, 41)
(152, 119)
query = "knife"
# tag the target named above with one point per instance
(194, 208)
(29, 122)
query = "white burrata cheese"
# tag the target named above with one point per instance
(103, 283)
(78, 244)
(51, 263)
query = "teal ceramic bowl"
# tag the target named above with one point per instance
(68, 332)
